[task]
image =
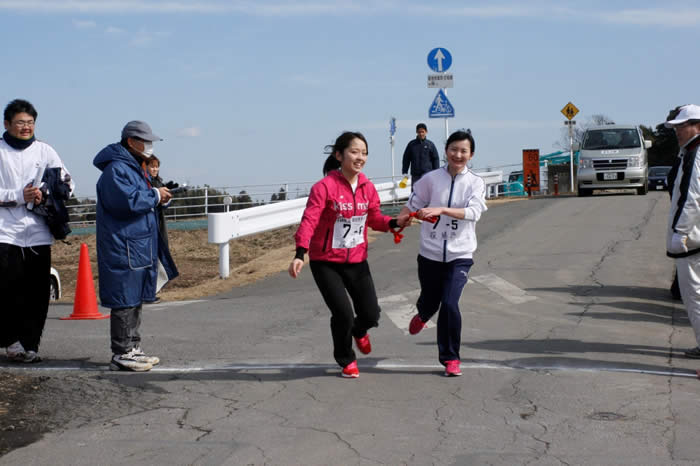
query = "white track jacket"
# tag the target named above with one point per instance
(18, 225)
(683, 235)
(449, 238)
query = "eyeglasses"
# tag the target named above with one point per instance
(467, 130)
(23, 123)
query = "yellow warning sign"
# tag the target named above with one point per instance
(569, 110)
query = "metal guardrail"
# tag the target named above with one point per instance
(186, 206)
(225, 226)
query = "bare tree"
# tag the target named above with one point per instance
(595, 120)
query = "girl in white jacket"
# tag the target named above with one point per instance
(455, 196)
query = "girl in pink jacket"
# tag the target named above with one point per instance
(333, 230)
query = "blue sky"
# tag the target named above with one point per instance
(249, 92)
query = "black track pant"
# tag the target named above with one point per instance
(333, 280)
(25, 275)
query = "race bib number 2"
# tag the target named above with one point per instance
(349, 232)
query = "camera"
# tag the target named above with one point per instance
(175, 187)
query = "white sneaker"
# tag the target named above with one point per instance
(141, 356)
(16, 352)
(31, 357)
(129, 362)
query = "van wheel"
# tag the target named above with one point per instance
(643, 190)
(584, 192)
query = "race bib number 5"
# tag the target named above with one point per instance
(348, 232)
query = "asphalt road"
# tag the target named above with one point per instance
(571, 346)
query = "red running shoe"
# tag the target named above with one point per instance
(363, 344)
(416, 325)
(351, 371)
(452, 369)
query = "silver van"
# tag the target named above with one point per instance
(613, 157)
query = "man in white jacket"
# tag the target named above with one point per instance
(25, 239)
(683, 236)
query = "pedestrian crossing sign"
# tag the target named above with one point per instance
(569, 110)
(441, 107)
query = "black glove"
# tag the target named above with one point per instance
(171, 185)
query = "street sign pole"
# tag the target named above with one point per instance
(570, 111)
(571, 154)
(446, 125)
(392, 140)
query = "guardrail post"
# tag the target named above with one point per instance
(206, 201)
(223, 260)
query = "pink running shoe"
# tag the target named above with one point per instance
(452, 369)
(416, 325)
(351, 371)
(363, 344)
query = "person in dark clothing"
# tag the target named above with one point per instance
(421, 155)
(153, 168)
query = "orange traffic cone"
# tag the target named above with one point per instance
(85, 305)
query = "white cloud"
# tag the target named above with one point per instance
(145, 37)
(84, 24)
(656, 17)
(114, 30)
(672, 15)
(190, 132)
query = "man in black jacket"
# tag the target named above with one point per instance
(420, 155)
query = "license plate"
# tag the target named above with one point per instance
(609, 176)
(658, 186)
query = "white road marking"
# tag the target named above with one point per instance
(166, 304)
(506, 289)
(386, 365)
(400, 309)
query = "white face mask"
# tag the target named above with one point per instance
(147, 148)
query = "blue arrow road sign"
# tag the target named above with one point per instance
(439, 60)
(441, 107)
(392, 126)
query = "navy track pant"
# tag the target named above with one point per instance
(441, 286)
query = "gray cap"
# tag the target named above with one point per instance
(139, 129)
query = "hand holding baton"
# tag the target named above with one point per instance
(397, 234)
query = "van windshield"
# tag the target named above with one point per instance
(611, 139)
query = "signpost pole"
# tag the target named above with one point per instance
(570, 111)
(392, 131)
(571, 154)
(447, 134)
(392, 159)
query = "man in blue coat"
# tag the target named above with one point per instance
(130, 250)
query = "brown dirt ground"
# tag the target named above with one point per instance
(251, 258)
